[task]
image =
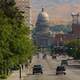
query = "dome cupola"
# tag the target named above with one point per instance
(43, 16)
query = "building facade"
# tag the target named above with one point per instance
(24, 5)
(74, 34)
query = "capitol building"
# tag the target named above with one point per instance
(42, 34)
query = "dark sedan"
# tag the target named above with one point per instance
(60, 70)
(37, 69)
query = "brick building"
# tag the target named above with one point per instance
(74, 34)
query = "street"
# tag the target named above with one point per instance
(49, 70)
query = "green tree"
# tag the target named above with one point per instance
(15, 45)
(73, 48)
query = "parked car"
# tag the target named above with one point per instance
(15, 67)
(37, 69)
(60, 70)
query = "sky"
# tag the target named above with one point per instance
(59, 11)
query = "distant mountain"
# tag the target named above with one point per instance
(59, 28)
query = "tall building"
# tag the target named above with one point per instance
(24, 5)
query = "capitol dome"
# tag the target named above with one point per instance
(42, 23)
(43, 16)
(42, 33)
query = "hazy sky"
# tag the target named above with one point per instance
(58, 10)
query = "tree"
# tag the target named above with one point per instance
(15, 45)
(73, 48)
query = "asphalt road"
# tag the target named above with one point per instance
(49, 70)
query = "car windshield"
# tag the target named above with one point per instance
(60, 68)
(37, 66)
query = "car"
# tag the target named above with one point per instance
(44, 56)
(60, 70)
(53, 56)
(15, 67)
(37, 69)
(64, 62)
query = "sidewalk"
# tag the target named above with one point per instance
(15, 75)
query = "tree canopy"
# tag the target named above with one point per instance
(15, 45)
(73, 48)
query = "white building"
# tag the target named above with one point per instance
(42, 33)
